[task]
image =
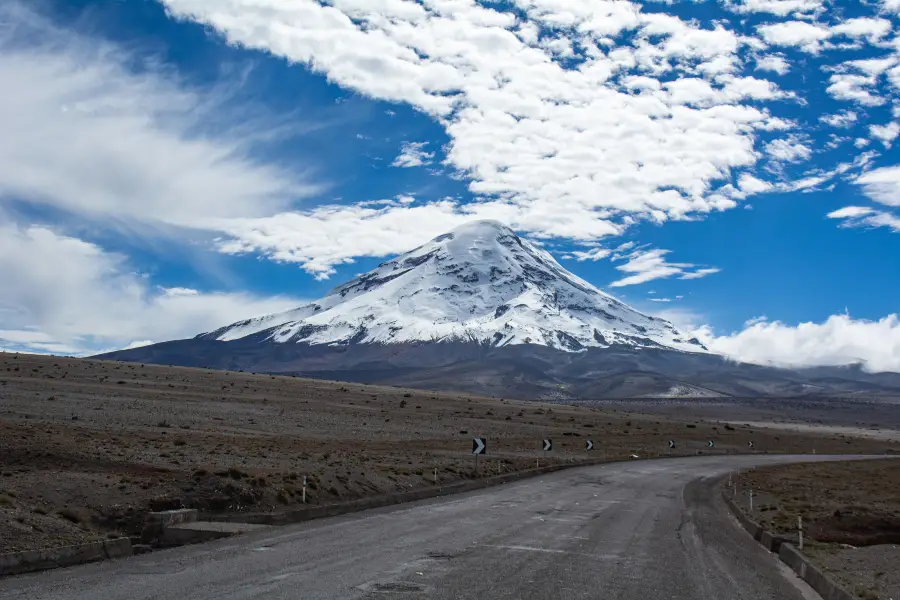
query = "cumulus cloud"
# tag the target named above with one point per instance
(781, 8)
(839, 340)
(886, 134)
(814, 37)
(85, 132)
(840, 120)
(337, 234)
(63, 295)
(412, 154)
(773, 62)
(607, 134)
(806, 36)
(788, 150)
(748, 184)
(647, 265)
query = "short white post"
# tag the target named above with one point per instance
(304, 489)
(751, 500)
(800, 530)
(435, 476)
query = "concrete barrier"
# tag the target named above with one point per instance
(811, 574)
(158, 522)
(808, 572)
(753, 528)
(203, 531)
(65, 556)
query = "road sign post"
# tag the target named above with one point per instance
(548, 446)
(479, 447)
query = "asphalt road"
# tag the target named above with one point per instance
(631, 531)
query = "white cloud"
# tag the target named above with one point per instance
(752, 185)
(839, 340)
(806, 36)
(781, 8)
(412, 154)
(64, 295)
(886, 134)
(773, 62)
(647, 265)
(840, 120)
(594, 254)
(854, 88)
(788, 150)
(870, 28)
(814, 37)
(86, 133)
(863, 216)
(700, 273)
(336, 234)
(536, 135)
(882, 185)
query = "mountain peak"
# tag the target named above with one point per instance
(483, 228)
(479, 282)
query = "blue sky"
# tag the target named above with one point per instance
(172, 166)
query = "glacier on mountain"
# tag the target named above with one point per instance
(480, 283)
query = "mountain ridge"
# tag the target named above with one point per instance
(479, 283)
(480, 310)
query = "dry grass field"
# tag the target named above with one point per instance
(851, 515)
(88, 447)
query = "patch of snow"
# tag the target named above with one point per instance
(480, 282)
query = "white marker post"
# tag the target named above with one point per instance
(304, 489)
(751, 500)
(435, 476)
(800, 530)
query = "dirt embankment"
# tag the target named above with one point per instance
(851, 517)
(88, 447)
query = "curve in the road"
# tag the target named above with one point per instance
(629, 531)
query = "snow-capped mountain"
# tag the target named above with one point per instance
(478, 283)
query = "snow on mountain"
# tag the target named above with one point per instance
(480, 282)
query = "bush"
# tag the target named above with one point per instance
(70, 515)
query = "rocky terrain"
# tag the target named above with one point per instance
(88, 447)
